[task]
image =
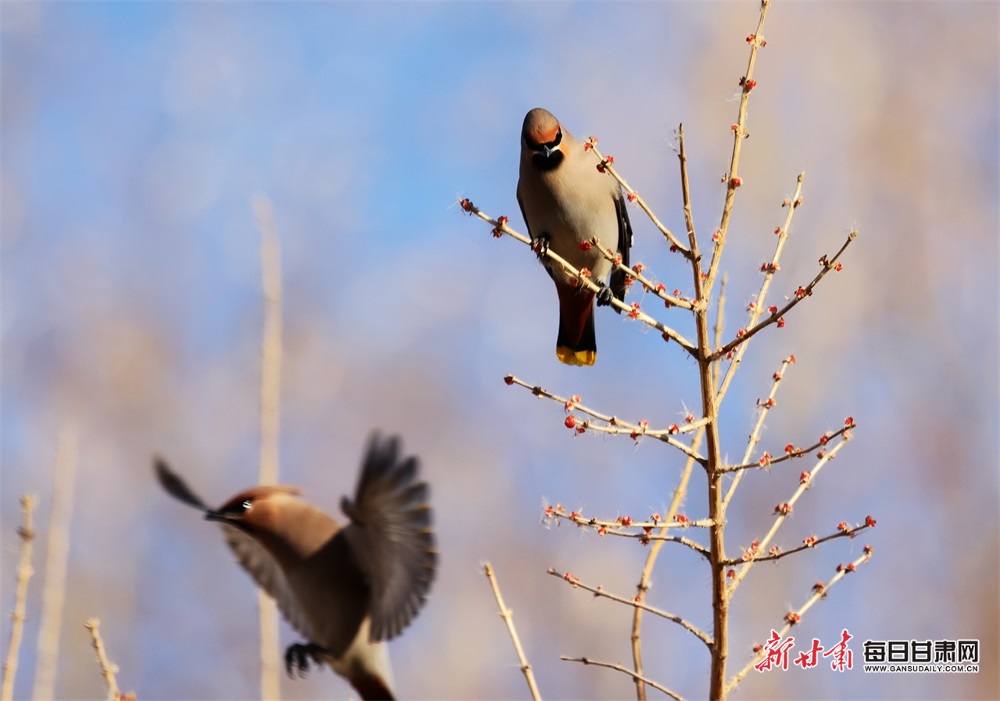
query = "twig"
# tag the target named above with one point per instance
(624, 670)
(633, 196)
(733, 180)
(270, 423)
(623, 522)
(614, 425)
(54, 591)
(507, 615)
(24, 571)
(108, 670)
(811, 542)
(736, 354)
(782, 511)
(695, 257)
(635, 273)
(647, 570)
(791, 452)
(775, 313)
(719, 318)
(819, 592)
(599, 592)
(765, 406)
(633, 311)
(615, 528)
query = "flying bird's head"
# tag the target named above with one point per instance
(542, 139)
(275, 517)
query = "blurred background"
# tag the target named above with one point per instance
(134, 139)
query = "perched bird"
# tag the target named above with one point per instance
(349, 588)
(566, 201)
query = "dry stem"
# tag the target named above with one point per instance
(633, 196)
(24, 571)
(617, 529)
(631, 310)
(800, 294)
(819, 592)
(814, 542)
(57, 550)
(739, 133)
(765, 406)
(270, 422)
(782, 515)
(614, 425)
(599, 592)
(624, 670)
(507, 615)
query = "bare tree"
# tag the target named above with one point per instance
(717, 358)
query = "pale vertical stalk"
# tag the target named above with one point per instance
(56, 557)
(270, 417)
(24, 572)
(680, 494)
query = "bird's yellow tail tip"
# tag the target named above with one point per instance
(575, 357)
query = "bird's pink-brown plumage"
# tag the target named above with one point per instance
(346, 589)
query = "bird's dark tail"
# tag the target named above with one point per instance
(576, 343)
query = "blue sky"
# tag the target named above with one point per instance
(134, 136)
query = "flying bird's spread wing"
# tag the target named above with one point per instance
(249, 553)
(268, 574)
(391, 536)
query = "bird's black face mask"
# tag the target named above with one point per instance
(545, 156)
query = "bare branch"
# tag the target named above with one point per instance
(736, 354)
(633, 196)
(614, 425)
(24, 571)
(764, 406)
(632, 311)
(624, 670)
(820, 591)
(680, 494)
(791, 452)
(733, 180)
(776, 314)
(783, 510)
(635, 273)
(507, 615)
(599, 592)
(108, 670)
(844, 531)
(620, 528)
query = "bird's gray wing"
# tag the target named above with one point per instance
(249, 553)
(391, 536)
(265, 570)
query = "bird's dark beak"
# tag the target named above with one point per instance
(212, 515)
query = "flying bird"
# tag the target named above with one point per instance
(346, 588)
(565, 202)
